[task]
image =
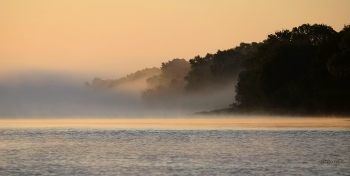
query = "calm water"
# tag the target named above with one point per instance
(174, 152)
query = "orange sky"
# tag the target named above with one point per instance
(110, 38)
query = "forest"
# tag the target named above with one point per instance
(302, 71)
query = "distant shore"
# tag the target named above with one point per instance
(289, 113)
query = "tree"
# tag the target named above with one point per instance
(339, 64)
(289, 73)
(199, 75)
(169, 82)
(219, 69)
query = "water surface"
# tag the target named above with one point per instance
(145, 147)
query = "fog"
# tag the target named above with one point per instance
(59, 95)
(52, 95)
(195, 101)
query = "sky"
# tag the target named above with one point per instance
(111, 38)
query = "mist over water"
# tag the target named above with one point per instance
(59, 95)
(130, 146)
(174, 88)
(49, 94)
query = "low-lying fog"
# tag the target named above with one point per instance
(43, 94)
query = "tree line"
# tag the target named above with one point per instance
(302, 71)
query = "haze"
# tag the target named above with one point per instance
(48, 49)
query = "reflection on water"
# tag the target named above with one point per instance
(65, 148)
(180, 123)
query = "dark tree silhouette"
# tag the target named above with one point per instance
(302, 71)
(339, 64)
(297, 72)
(219, 69)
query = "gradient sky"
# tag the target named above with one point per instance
(110, 38)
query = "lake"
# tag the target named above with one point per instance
(177, 146)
